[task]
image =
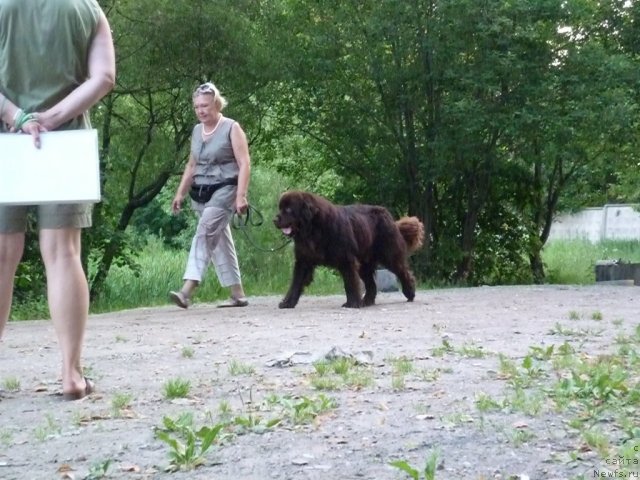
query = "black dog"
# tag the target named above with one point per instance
(353, 239)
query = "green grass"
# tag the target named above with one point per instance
(264, 272)
(99, 470)
(176, 388)
(237, 368)
(11, 384)
(47, 429)
(340, 373)
(120, 402)
(430, 467)
(160, 268)
(595, 395)
(269, 273)
(187, 447)
(187, 352)
(573, 261)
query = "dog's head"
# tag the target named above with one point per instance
(296, 211)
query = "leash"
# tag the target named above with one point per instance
(246, 221)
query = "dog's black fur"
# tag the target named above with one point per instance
(354, 239)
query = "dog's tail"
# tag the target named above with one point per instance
(412, 231)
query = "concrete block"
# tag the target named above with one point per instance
(386, 281)
(617, 271)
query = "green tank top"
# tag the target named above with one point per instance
(44, 46)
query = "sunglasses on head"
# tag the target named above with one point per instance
(206, 88)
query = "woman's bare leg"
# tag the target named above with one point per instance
(68, 295)
(11, 248)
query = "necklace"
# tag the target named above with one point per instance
(205, 133)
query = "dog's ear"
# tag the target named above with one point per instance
(308, 210)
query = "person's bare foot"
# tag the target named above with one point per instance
(80, 393)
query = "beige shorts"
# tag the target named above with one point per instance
(13, 218)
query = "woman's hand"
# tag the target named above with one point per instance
(46, 120)
(242, 204)
(176, 204)
(34, 128)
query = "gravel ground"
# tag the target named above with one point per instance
(253, 363)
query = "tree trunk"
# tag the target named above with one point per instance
(537, 267)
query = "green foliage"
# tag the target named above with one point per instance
(598, 393)
(275, 411)
(159, 268)
(573, 261)
(99, 470)
(11, 384)
(176, 388)
(304, 410)
(484, 119)
(188, 448)
(120, 402)
(341, 372)
(596, 382)
(431, 465)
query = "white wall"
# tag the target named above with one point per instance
(620, 222)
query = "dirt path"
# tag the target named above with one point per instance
(233, 359)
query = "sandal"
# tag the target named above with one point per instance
(180, 299)
(235, 302)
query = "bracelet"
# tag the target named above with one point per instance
(4, 100)
(20, 118)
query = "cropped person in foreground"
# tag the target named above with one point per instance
(57, 60)
(217, 180)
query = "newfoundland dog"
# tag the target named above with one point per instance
(354, 239)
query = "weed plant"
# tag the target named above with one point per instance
(176, 388)
(6, 437)
(11, 384)
(120, 402)
(340, 373)
(596, 395)
(48, 429)
(99, 470)
(187, 447)
(277, 410)
(430, 467)
(187, 352)
(237, 368)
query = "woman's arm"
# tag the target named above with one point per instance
(101, 79)
(185, 184)
(241, 152)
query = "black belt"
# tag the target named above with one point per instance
(203, 193)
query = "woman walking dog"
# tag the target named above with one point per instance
(217, 180)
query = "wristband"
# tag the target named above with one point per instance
(20, 119)
(4, 100)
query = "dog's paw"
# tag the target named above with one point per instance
(285, 304)
(352, 305)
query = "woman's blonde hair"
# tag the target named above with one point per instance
(208, 88)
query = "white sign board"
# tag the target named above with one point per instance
(65, 169)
